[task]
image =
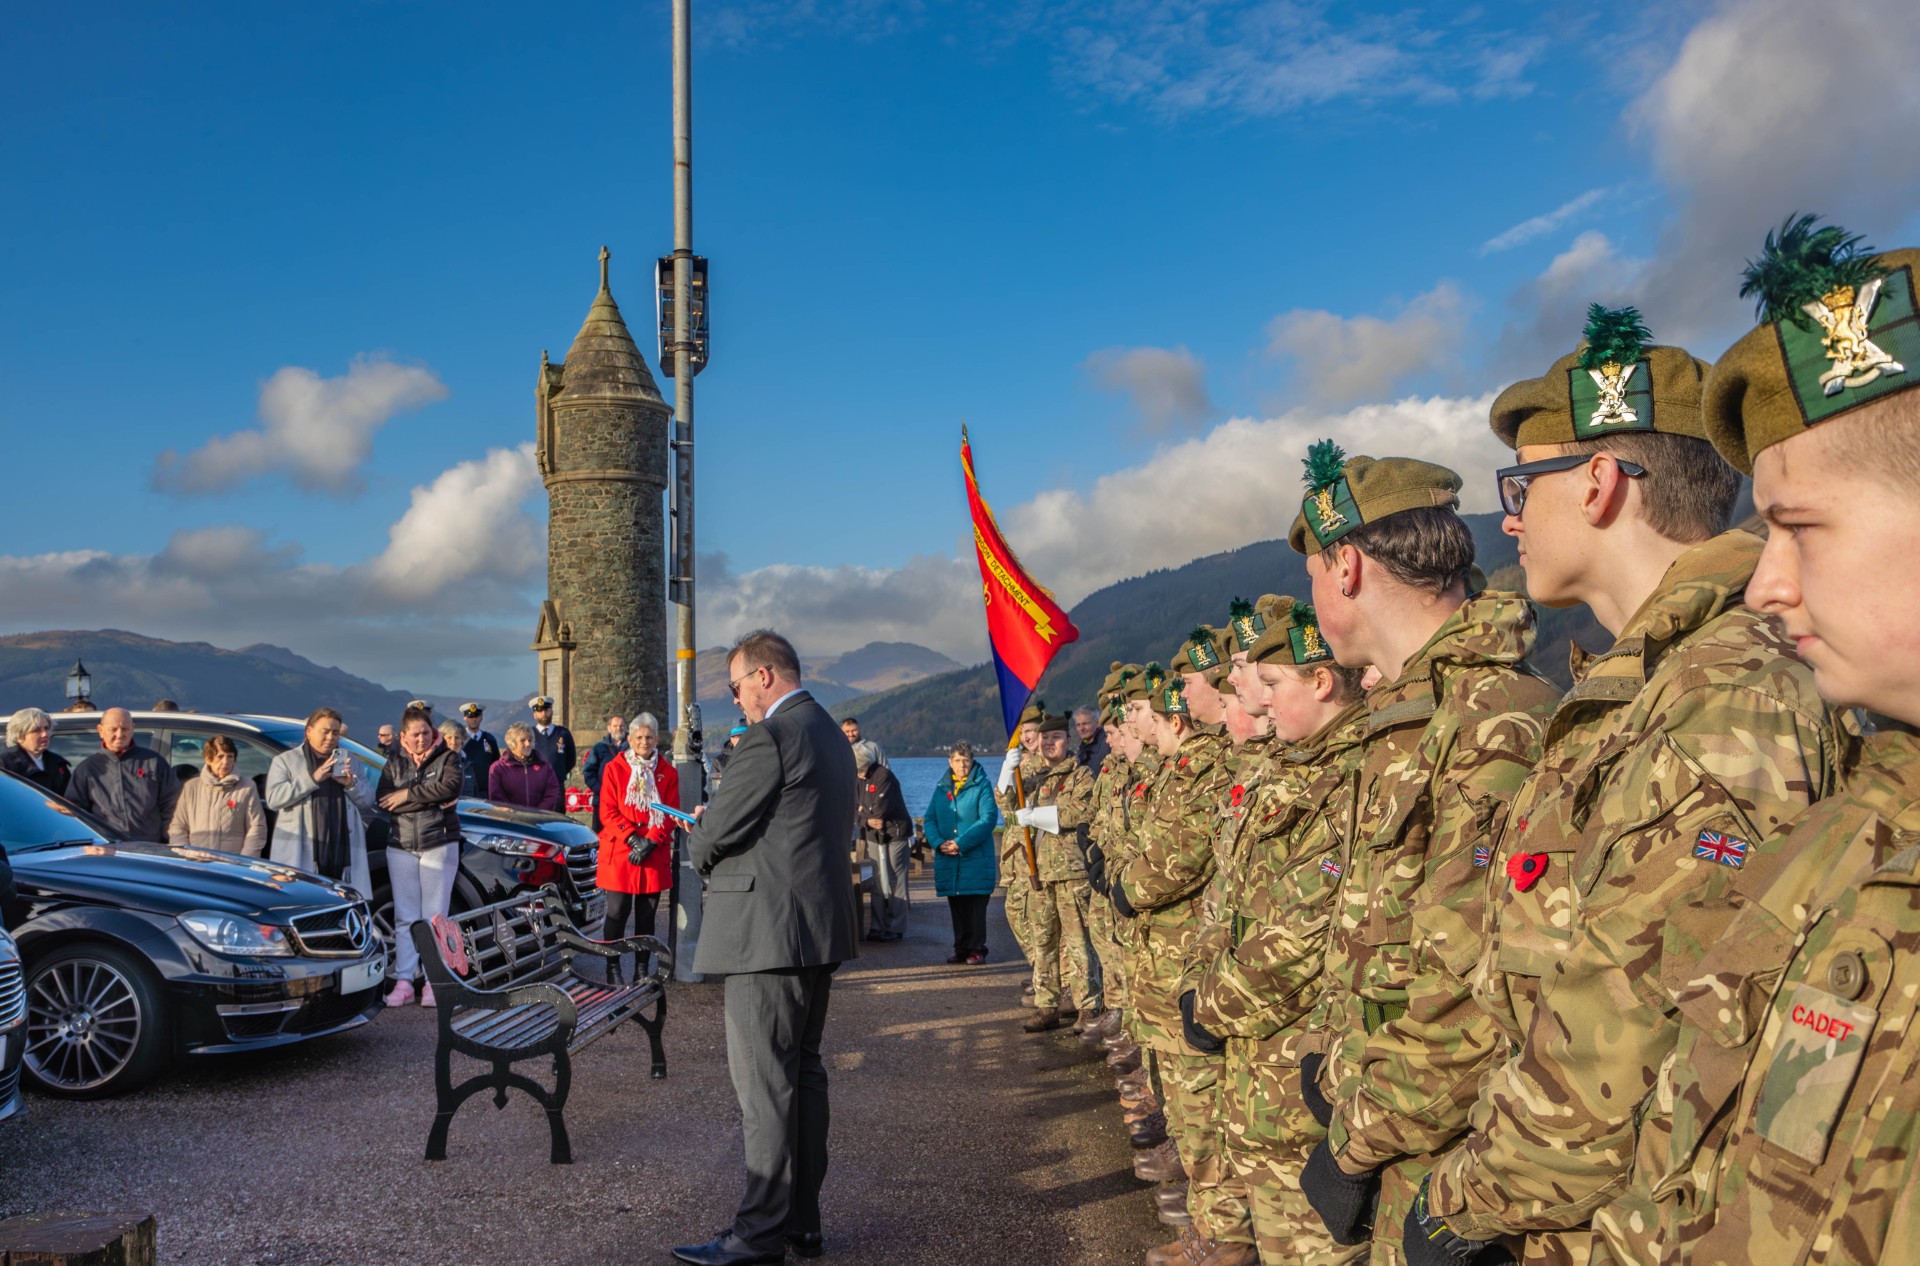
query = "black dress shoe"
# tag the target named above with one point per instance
(806, 1243)
(726, 1250)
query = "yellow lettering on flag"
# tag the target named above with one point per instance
(1042, 622)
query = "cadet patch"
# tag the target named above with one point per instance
(1525, 870)
(1846, 361)
(1331, 866)
(1332, 512)
(1822, 1040)
(1610, 399)
(1717, 846)
(1482, 855)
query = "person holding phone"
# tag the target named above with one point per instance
(321, 802)
(636, 838)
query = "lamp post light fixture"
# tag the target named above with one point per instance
(697, 306)
(79, 688)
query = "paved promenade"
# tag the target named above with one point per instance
(956, 1140)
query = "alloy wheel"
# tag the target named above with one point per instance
(84, 1023)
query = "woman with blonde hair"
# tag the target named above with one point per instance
(28, 732)
(219, 810)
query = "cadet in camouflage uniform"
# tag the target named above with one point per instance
(1015, 874)
(1060, 806)
(1161, 890)
(1796, 1122)
(1106, 834)
(1260, 989)
(1673, 759)
(1452, 730)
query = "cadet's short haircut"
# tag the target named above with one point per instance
(763, 648)
(1689, 490)
(1880, 441)
(1428, 547)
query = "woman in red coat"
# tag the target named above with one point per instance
(636, 843)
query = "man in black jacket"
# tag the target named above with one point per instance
(553, 742)
(478, 748)
(779, 919)
(127, 786)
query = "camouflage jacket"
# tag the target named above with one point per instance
(1448, 743)
(1123, 805)
(1796, 1111)
(1262, 985)
(1677, 753)
(1165, 879)
(1013, 838)
(1244, 770)
(1067, 786)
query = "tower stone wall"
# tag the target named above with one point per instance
(601, 444)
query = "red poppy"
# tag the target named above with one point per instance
(1238, 792)
(1525, 869)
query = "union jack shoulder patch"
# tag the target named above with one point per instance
(1718, 846)
(1331, 866)
(1483, 855)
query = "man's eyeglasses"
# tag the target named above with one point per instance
(1513, 480)
(734, 685)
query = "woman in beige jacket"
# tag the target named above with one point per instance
(219, 809)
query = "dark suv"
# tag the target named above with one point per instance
(504, 849)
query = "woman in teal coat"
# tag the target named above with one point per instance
(959, 824)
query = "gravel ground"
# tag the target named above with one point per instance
(956, 1139)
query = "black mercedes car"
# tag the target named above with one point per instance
(134, 953)
(13, 1024)
(504, 849)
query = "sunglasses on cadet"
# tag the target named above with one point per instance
(1513, 480)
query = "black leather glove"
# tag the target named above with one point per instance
(1122, 905)
(1096, 860)
(639, 848)
(1429, 1242)
(1344, 1203)
(1198, 1038)
(1318, 1104)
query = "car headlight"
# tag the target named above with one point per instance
(230, 934)
(515, 846)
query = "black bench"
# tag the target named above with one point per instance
(504, 980)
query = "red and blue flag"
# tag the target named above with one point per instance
(1025, 627)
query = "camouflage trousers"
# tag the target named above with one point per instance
(1062, 976)
(1217, 1203)
(1106, 947)
(1020, 895)
(1268, 1133)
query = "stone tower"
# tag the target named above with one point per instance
(601, 443)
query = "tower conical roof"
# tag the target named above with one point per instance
(604, 363)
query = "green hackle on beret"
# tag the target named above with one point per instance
(1292, 637)
(1363, 490)
(1617, 380)
(1839, 329)
(1615, 336)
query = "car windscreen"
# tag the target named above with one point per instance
(30, 819)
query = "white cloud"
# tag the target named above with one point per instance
(1541, 225)
(319, 431)
(1167, 387)
(447, 598)
(1549, 312)
(1341, 359)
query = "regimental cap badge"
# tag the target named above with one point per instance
(1329, 508)
(1616, 380)
(1171, 698)
(1344, 493)
(1304, 636)
(1839, 328)
(1248, 620)
(1200, 650)
(1614, 355)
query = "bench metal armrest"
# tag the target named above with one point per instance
(536, 993)
(640, 945)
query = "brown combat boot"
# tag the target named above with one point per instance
(1124, 1060)
(1151, 1132)
(1134, 1114)
(1134, 1084)
(1179, 1250)
(1044, 1019)
(1171, 1198)
(1231, 1255)
(1085, 1020)
(1159, 1164)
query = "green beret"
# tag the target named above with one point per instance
(1206, 650)
(1293, 637)
(1615, 381)
(1171, 699)
(1839, 329)
(1036, 710)
(1343, 493)
(1144, 683)
(1054, 724)
(1248, 620)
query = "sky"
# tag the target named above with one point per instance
(278, 279)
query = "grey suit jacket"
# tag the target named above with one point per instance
(773, 845)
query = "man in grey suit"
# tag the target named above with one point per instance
(779, 918)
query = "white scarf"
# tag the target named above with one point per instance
(642, 791)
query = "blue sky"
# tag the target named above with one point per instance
(1134, 245)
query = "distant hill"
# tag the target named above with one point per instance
(1146, 618)
(874, 667)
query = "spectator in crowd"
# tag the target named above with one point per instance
(881, 817)
(521, 777)
(717, 761)
(127, 786)
(553, 742)
(455, 738)
(321, 803)
(636, 839)
(851, 728)
(28, 732)
(383, 742)
(477, 747)
(1093, 739)
(219, 809)
(594, 768)
(423, 853)
(164, 705)
(959, 821)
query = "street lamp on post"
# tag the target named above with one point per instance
(79, 688)
(697, 311)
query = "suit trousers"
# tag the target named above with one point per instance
(775, 1020)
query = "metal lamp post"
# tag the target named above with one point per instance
(79, 688)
